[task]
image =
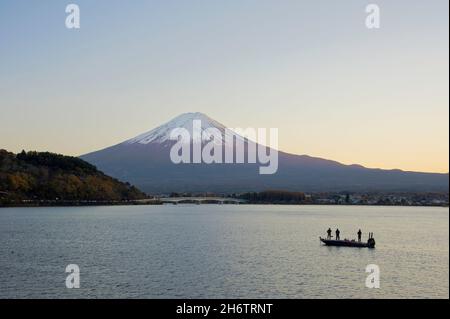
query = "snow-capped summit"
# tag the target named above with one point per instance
(161, 134)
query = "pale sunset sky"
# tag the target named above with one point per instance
(334, 88)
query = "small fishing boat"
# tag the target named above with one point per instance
(349, 243)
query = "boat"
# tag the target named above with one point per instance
(349, 243)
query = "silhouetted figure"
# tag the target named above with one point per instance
(329, 233)
(337, 234)
(359, 235)
(371, 241)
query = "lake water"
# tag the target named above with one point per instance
(222, 251)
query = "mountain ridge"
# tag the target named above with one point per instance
(144, 161)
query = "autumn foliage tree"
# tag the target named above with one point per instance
(48, 176)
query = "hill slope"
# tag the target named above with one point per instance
(47, 176)
(145, 162)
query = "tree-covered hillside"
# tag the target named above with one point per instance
(48, 176)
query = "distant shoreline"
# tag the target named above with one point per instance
(31, 204)
(48, 203)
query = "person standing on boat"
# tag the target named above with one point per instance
(329, 233)
(337, 234)
(359, 235)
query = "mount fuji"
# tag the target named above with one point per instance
(145, 162)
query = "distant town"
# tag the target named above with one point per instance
(328, 198)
